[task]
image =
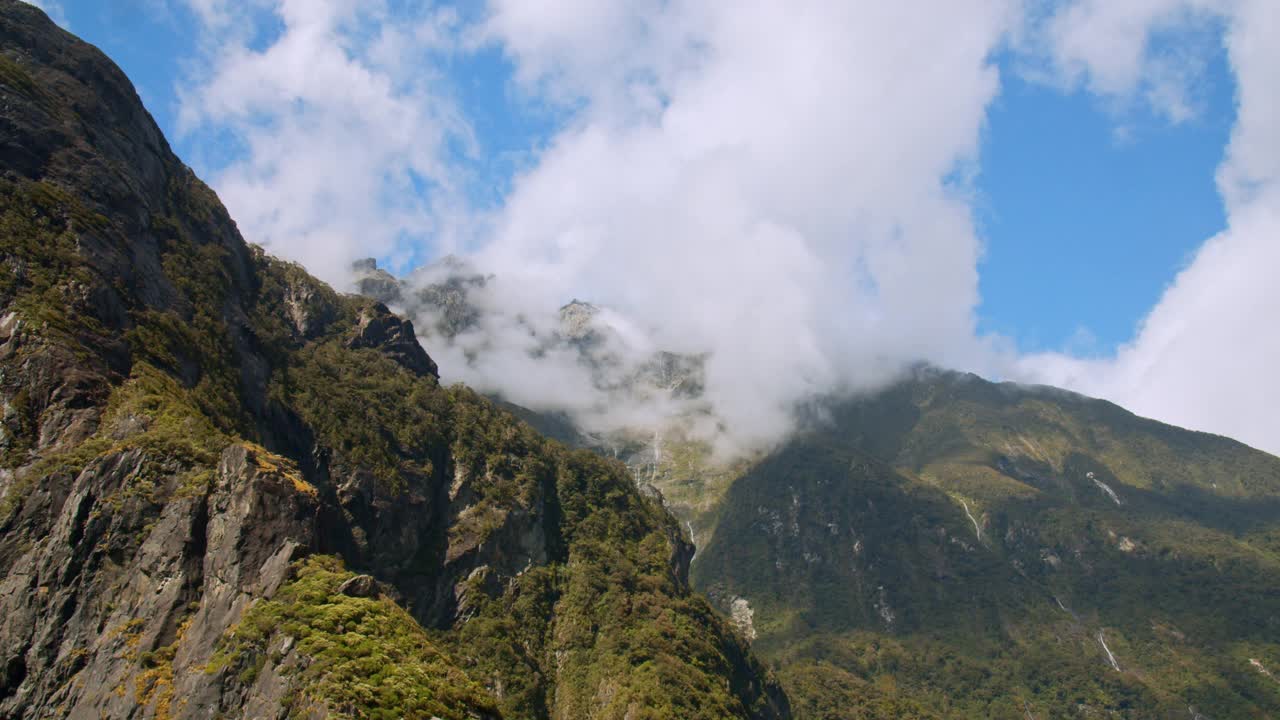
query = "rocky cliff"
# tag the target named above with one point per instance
(228, 491)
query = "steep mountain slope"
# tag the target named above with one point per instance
(956, 548)
(228, 491)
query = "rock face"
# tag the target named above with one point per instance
(377, 328)
(375, 282)
(228, 491)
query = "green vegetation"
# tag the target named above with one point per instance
(153, 686)
(904, 561)
(42, 274)
(291, 307)
(693, 480)
(363, 657)
(949, 548)
(151, 413)
(632, 650)
(507, 642)
(365, 407)
(611, 627)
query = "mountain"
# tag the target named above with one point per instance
(441, 288)
(228, 491)
(952, 547)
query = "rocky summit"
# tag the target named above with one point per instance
(229, 491)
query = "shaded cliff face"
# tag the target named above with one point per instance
(956, 548)
(226, 490)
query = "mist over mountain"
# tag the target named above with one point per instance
(589, 363)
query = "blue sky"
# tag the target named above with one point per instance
(1089, 212)
(1076, 192)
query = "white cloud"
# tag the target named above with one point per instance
(762, 181)
(343, 124)
(1154, 51)
(782, 185)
